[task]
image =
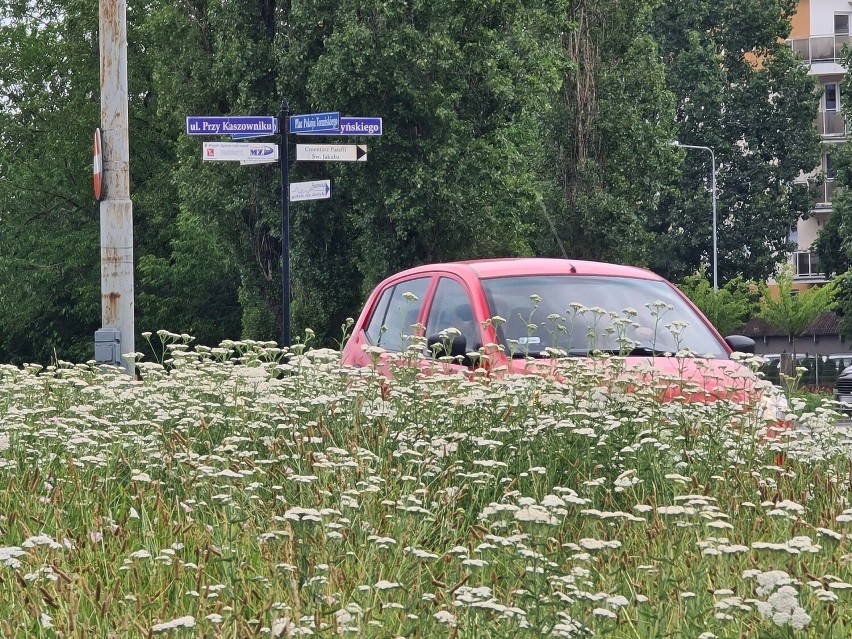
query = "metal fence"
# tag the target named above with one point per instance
(821, 371)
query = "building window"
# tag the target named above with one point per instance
(807, 264)
(841, 24)
(828, 167)
(832, 95)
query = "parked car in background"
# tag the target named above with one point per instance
(843, 389)
(841, 360)
(771, 359)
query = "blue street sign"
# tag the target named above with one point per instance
(315, 123)
(350, 126)
(252, 125)
(360, 126)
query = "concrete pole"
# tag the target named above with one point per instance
(117, 296)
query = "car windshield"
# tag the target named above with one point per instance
(579, 314)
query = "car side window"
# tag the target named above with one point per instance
(390, 331)
(451, 308)
(378, 319)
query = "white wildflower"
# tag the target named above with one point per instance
(386, 585)
(181, 622)
(446, 617)
(9, 556)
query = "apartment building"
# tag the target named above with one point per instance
(821, 28)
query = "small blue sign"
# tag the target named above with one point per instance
(315, 123)
(360, 126)
(351, 126)
(233, 125)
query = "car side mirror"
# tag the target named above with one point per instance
(740, 343)
(439, 345)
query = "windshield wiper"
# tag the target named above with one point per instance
(640, 351)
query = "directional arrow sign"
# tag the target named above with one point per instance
(230, 125)
(235, 151)
(316, 190)
(331, 152)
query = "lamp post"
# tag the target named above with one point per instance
(677, 144)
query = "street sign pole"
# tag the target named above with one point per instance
(284, 160)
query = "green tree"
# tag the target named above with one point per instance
(216, 58)
(729, 308)
(741, 92)
(49, 252)
(790, 311)
(605, 159)
(461, 89)
(510, 129)
(49, 223)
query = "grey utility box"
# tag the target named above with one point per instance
(108, 346)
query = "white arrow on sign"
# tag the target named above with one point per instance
(316, 190)
(239, 151)
(331, 152)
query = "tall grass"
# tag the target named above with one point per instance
(232, 492)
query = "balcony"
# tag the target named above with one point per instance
(831, 123)
(819, 48)
(807, 265)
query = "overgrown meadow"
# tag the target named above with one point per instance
(233, 492)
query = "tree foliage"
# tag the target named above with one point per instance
(48, 221)
(512, 128)
(741, 92)
(792, 311)
(605, 132)
(729, 308)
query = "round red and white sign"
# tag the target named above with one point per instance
(97, 165)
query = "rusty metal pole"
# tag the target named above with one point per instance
(117, 296)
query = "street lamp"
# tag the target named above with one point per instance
(677, 144)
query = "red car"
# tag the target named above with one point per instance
(539, 310)
(534, 308)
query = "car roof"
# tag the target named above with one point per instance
(520, 266)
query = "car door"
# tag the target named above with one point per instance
(393, 321)
(451, 307)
